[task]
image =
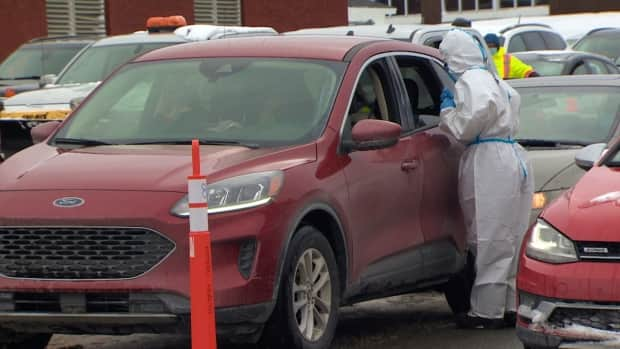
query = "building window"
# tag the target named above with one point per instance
(468, 5)
(75, 17)
(218, 12)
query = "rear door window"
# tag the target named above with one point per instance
(553, 41)
(517, 44)
(534, 41)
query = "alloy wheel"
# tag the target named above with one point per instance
(312, 293)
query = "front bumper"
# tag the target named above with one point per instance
(556, 324)
(119, 313)
(15, 128)
(243, 301)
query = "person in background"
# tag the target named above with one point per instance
(508, 66)
(495, 177)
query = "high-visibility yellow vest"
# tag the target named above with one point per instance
(509, 66)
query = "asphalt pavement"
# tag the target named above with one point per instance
(411, 321)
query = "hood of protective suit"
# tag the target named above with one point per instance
(461, 51)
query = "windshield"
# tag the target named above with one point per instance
(579, 115)
(99, 61)
(265, 102)
(606, 45)
(32, 61)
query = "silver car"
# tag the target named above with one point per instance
(559, 116)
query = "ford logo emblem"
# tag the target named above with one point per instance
(69, 202)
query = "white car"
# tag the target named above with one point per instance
(84, 72)
(427, 35)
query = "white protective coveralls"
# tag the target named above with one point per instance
(495, 177)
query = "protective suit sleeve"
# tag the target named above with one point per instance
(467, 120)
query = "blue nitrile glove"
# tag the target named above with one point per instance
(447, 99)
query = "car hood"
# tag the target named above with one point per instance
(548, 164)
(138, 168)
(52, 95)
(591, 210)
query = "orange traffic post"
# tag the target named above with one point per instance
(200, 267)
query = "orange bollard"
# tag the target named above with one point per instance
(200, 269)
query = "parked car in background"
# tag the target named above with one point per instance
(427, 35)
(559, 116)
(526, 37)
(568, 271)
(567, 62)
(602, 41)
(20, 113)
(21, 71)
(329, 184)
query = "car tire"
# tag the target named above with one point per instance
(458, 289)
(306, 314)
(25, 341)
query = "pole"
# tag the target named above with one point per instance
(200, 267)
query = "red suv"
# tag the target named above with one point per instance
(330, 183)
(569, 273)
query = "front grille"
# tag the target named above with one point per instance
(81, 303)
(80, 253)
(599, 251)
(608, 320)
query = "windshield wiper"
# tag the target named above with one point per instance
(80, 141)
(26, 78)
(548, 143)
(201, 141)
(537, 143)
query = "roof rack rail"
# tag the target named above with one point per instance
(61, 37)
(524, 25)
(599, 29)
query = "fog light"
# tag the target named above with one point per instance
(247, 252)
(539, 200)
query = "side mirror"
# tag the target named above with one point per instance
(588, 156)
(75, 102)
(47, 79)
(40, 132)
(369, 134)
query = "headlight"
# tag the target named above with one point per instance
(548, 245)
(237, 193)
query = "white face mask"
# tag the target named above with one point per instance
(493, 50)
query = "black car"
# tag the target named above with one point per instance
(548, 63)
(22, 70)
(603, 41)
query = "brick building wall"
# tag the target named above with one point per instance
(126, 16)
(558, 7)
(20, 21)
(285, 15)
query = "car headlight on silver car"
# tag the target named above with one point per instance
(548, 245)
(237, 193)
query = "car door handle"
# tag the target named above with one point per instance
(409, 165)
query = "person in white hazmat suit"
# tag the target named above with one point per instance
(495, 176)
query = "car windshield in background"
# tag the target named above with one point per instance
(571, 115)
(262, 102)
(99, 61)
(606, 45)
(32, 61)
